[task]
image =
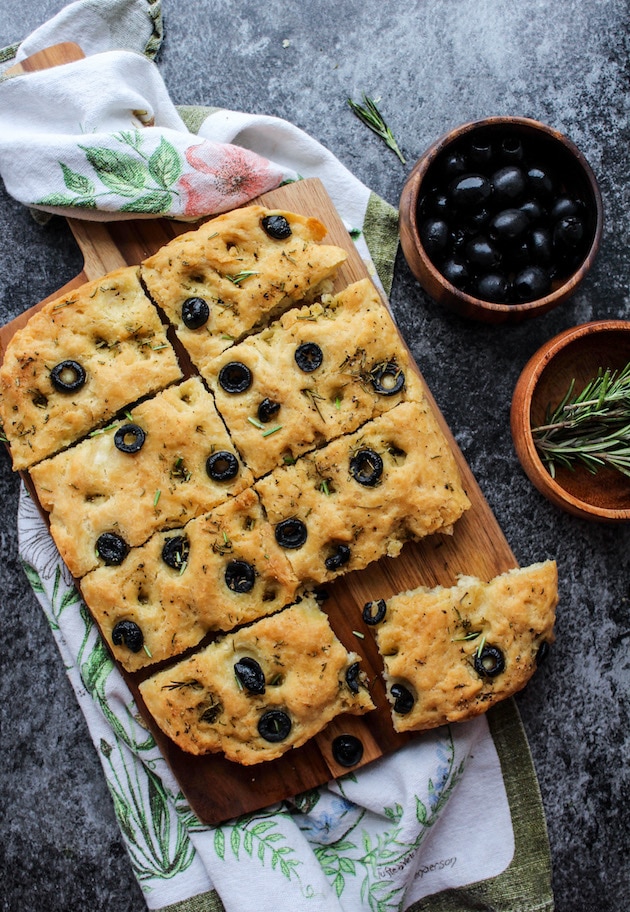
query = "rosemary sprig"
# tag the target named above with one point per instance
(591, 428)
(372, 118)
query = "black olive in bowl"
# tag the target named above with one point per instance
(501, 219)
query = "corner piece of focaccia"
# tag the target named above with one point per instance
(451, 653)
(78, 361)
(260, 691)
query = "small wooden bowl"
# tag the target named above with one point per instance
(552, 149)
(575, 353)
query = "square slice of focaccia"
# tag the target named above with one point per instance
(220, 570)
(261, 691)
(168, 460)
(363, 495)
(452, 653)
(221, 281)
(78, 361)
(316, 373)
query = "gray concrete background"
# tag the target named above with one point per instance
(434, 64)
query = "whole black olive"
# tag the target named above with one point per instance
(308, 357)
(540, 246)
(508, 184)
(267, 409)
(434, 234)
(68, 376)
(508, 225)
(511, 149)
(240, 576)
(374, 612)
(493, 287)
(469, 191)
(476, 220)
(352, 677)
(347, 750)
(175, 551)
(366, 467)
(339, 558)
(456, 272)
(489, 662)
(235, 377)
(277, 227)
(480, 152)
(482, 253)
(291, 533)
(222, 466)
(541, 181)
(435, 203)
(111, 548)
(534, 211)
(531, 283)
(453, 164)
(195, 313)
(563, 207)
(129, 634)
(274, 725)
(403, 699)
(250, 675)
(568, 234)
(387, 378)
(516, 256)
(129, 438)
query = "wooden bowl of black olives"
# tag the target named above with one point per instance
(501, 219)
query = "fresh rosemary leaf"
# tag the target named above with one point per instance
(369, 113)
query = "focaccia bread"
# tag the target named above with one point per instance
(219, 282)
(220, 570)
(451, 653)
(148, 471)
(363, 495)
(316, 373)
(78, 361)
(261, 691)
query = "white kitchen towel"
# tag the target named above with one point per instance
(451, 821)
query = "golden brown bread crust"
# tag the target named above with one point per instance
(207, 590)
(113, 331)
(201, 705)
(95, 488)
(418, 492)
(363, 364)
(438, 643)
(245, 276)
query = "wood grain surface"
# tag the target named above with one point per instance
(216, 788)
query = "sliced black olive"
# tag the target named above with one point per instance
(339, 558)
(222, 466)
(374, 612)
(434, 234)
(250, 675)
(366, 467)
(347, 750)
(509, 184)
(277, 227)
(211, 714)
(129, 438)
(240, 576)
(291, 533)
(543, 652)
(489, 662)
(352, 677)
(267, 409)
(531, 283)
(128, 633)
(235, 377)
(195, 313)
(111, 548)
(469, 191)
(403, 699)
(387, 378)
(175, 551)
(68, 376)
(308, 357)
(274, 726)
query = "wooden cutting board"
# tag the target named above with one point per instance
(218, 789)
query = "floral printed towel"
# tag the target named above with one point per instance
(453, 821)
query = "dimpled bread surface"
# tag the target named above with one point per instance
(417, 492)
(245, 276)
(112, 330)
(364, 371)
(202, 706)
(95, 488)
(208, 589)
(429, 640)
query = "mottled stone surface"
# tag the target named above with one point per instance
(434, 64)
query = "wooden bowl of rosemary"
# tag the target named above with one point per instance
(570, 420)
